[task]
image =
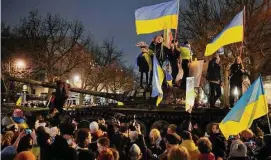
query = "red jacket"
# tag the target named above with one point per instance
(207, 156)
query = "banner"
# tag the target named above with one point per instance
(195, 71)
(190, 94)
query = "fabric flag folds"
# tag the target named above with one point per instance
(190, 94)
(231, 34)
(157, 80)
(19, 101)
(157, 17)
(169, 78)
(249, 107)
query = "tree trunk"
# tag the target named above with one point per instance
(253, 72)
(81, 99)
(50, 79)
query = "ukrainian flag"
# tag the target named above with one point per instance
(231, 34)
(157, 17)
(252, 105)
(157, 80)
(19, 101)
(169, 78)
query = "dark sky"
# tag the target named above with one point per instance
(103, 18)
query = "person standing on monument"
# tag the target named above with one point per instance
(214, 78)
(144, 62)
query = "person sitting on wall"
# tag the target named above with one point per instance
(144, 62)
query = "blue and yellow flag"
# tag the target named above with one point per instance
(19, 101)
(169, 78)
(157, 17)
(252, 105)
(157, 80)
(231, 34)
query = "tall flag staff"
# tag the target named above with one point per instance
(155, 18)
(244, 23)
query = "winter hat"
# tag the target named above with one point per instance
(8, 153)
(17, 113)
(18, 117)
(94, 126)
(134, 151)
(25, 155)
(238, 149)
(6, 121)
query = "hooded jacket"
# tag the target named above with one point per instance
(191, 148)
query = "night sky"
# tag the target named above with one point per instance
(103, 18)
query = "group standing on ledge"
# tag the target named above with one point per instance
(179, 58)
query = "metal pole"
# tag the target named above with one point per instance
(244, 22)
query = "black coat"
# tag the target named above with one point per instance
(160, 55)
(126, 144)
(218, 145)
(116, 140)
(62, 151)
(142, 63)
(158, 150)
(213, 72)
(236, 73)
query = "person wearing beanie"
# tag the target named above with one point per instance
(189, 144)
(6, 121)
(172, 128)
(95, 131)
(246, 135)
(144, 62)
(135, 152)
(18, 117)
(171, 141)
(238, 151)
(25, 155)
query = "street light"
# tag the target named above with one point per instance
(235, 93)
(76, 78)
(20, 64)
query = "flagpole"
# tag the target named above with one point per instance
(244, 22)
(176, 31)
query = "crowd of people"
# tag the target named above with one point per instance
(178, 58)
(67, 139)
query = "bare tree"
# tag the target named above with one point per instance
(204, 19)
(54, 44)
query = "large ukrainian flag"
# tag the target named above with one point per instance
(231, 34)
(157, 17)
(251, 106)
(157, 80)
